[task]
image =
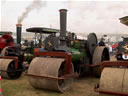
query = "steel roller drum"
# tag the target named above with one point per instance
(100, 54)
(125, 82)
(51, 67)
(91, 43)
(7, 66)
(4, 63)
(114, 79)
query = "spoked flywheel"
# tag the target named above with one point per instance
(91, 43)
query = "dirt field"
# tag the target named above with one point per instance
(21, 87)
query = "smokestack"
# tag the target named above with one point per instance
(18, 32)
(62, 37)
(63, 15)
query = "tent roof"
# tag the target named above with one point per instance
(124, 20)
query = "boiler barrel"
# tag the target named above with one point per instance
(77, 55)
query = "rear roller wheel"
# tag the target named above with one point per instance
(49, 67)
(5, 51)
(100, 54)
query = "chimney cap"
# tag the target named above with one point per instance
(63, 10)
(18, 25)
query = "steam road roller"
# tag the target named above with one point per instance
(114, 77)
(63, 58)
(11, 57)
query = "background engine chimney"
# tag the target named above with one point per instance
(18, 32)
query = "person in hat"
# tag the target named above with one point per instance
(101, 43)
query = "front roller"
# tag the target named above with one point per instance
(9, 64)
(8, 70)
(44, 73)
(114, 80)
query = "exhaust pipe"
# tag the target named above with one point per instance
(63, 15)
(18, 32)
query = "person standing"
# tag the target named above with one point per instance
(101, 43)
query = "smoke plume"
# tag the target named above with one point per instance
(36, 4)
(3, 1)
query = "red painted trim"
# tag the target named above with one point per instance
(111, 92)
(124, 53)
(113, 63)
(66, 76)
(0, 90)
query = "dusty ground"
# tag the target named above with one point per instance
(21, 87)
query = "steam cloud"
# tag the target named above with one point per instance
(3, 1)
(36, 4)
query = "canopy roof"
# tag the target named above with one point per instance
(42, 30)
(124, 20)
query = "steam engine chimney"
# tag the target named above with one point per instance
(19, 29)
(63, 15)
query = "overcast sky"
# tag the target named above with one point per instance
(82, 16)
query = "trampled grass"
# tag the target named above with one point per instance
(21, 87)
